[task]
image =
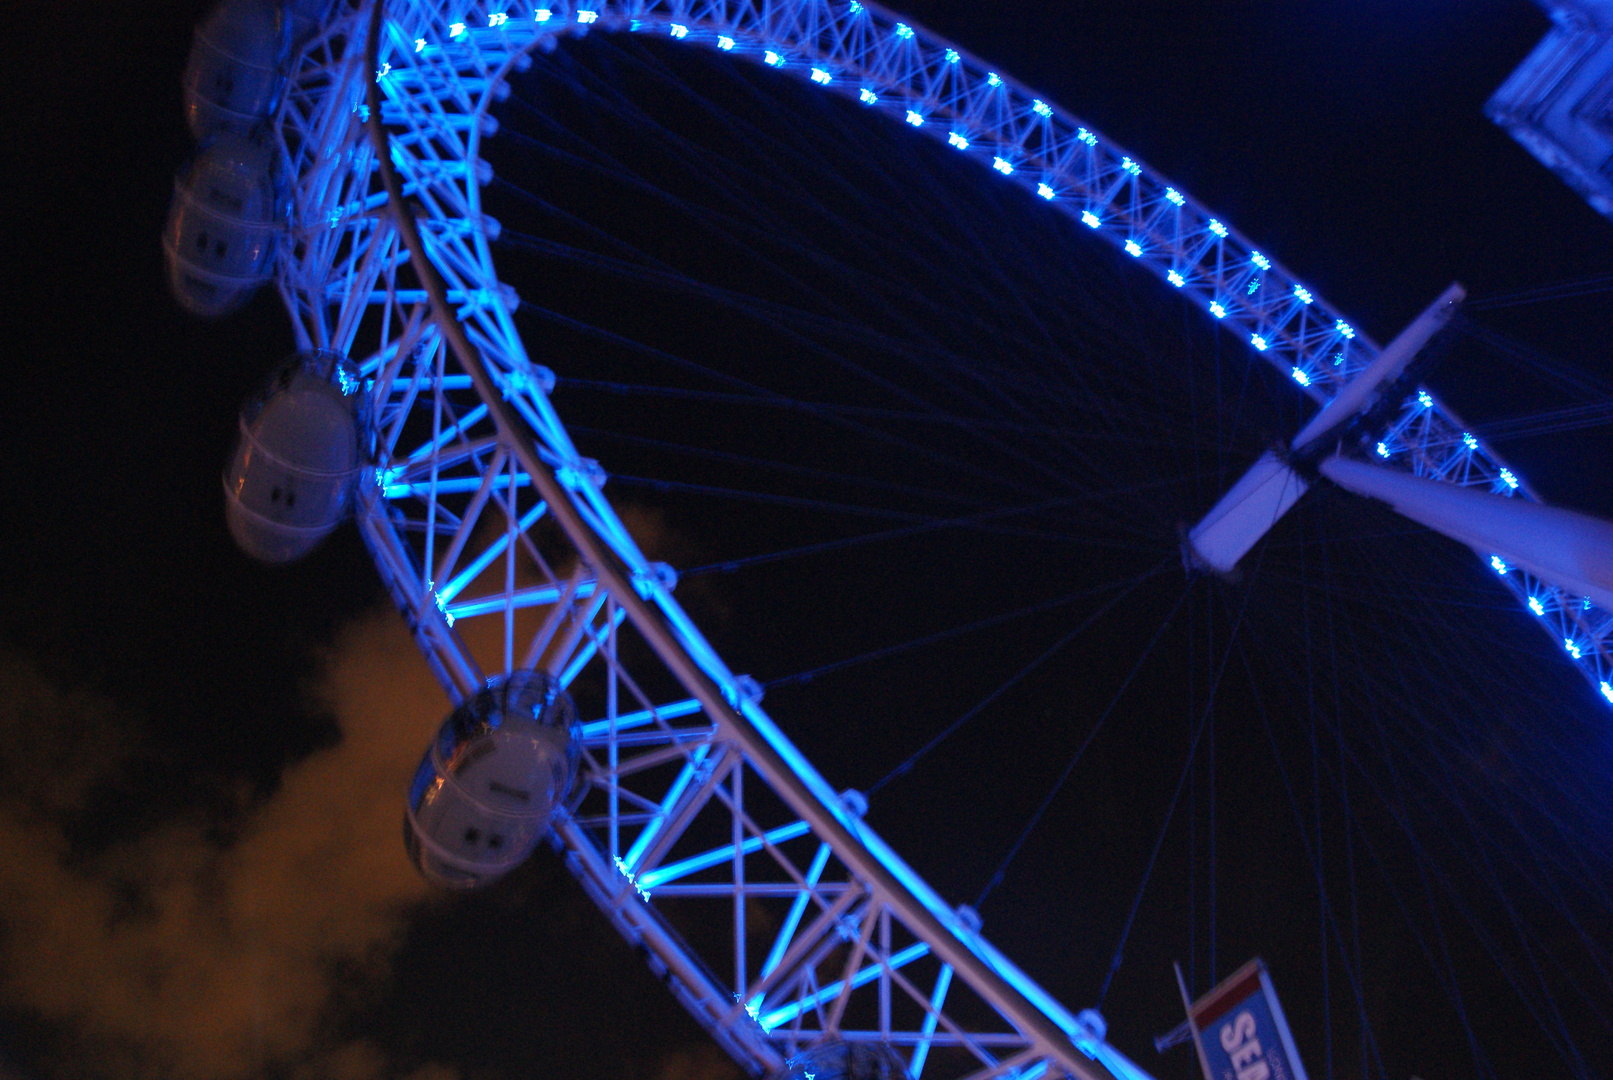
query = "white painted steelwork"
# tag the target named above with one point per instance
(1559, 101)
(688, 789)
(1573, 551)
(1271, 486)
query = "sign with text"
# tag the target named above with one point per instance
(1240, 1031)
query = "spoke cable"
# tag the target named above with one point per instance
(1036, 817)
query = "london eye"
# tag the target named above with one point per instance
(905, 386)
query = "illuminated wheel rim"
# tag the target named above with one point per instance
(451, 517)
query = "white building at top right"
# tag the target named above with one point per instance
(1559, 101)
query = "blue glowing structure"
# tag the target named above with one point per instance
(1559, 101)
(454, 492)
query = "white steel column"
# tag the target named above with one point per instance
(1271, 486)
(1570, 550)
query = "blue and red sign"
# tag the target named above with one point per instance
(1240, 1031)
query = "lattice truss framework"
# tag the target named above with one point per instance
(690, 800)
(862, 51)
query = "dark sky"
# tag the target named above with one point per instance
(180, 724)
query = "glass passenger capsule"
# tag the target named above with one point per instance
(490, 781)
(292, 473)
(236, 69)
(837, 1060)
(222, 224)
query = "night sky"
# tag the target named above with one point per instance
(202, 759)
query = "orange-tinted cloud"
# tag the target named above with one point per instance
(172, 956)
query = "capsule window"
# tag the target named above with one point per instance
(200, 288)
(220, 197)
(454, 833)
(288, 482)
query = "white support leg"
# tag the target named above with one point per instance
(1244, 514)
(1570, 550)
(1270, 487)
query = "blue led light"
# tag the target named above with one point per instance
(1424, 400)
(1131, 166)
(820, 76)
(1090, 219)
(1254, 287)
(867, 96)
(724, 42)
(1260, 343)
(442, 604)
(498, 18)
(1086, 136)
(1041, 108)
(772, 59)
(386, 69)
(1174, 197)
(1217, 310)
(993, 79)
(1509, 478)
(1607, 691)
(542, 15)
(1132, 249)
(1217, 228)
(1002, 166)
(1175, 279)
(587, 17)
(856, 8)
(631, 879)
(1383, 451)
(952, 56)
(419, 44)
(1573, 650)
(1304, 294)
(1498, 565)
(914, 118)
(1044, 191)
(678, 30)
(957, 140)
(1344, 328)
(1469, 441)
(1260, 260)
(1301, 378)
(904, 31)
(456, 29)
(1540, 609)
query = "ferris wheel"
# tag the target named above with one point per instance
(680, 803)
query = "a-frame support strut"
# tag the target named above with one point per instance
(1272, 484)
(1570, 550)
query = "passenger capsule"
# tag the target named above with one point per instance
(307, 18)
(490, 781)
(237, 67)
(222, 225)
(292, 473)
(838, 1060)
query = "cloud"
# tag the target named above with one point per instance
(181, 955)
(700, 1062)
(174, 956)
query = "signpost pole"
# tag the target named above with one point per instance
(1192, 1025)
